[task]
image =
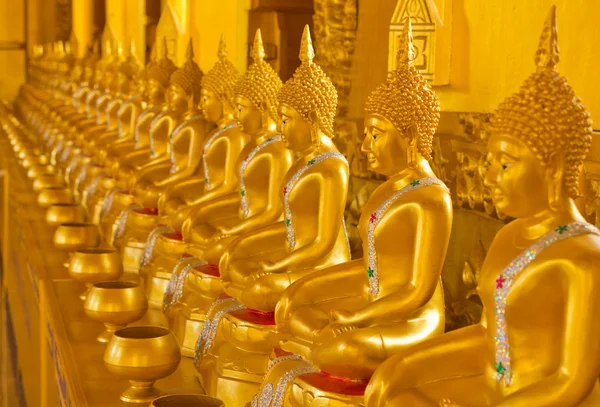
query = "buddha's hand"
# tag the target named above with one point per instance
(267, 267)
(222, 233)
(341, 317)
(332, 331)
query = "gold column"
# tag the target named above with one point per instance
(209, 19)
(135, 12)
(83, 24)
(174, 25)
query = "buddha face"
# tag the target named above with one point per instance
(295, 129)
(384, 146)
(516, 178)
(176, 97)
(155, 92)
(212, 107)
(248, 116)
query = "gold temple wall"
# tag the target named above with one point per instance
(493, 45)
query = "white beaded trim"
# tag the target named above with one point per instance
(122, 221)
(207, 145)
(505, 280)
(286, 379)
(108, 201)
(372, 269)
(151, 241)
(175, 132)
(209, 330)
(178, 279)
(289, 224)
(258, 399)
(244, 194)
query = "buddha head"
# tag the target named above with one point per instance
(217, 95)
(128, 72)
(159, 75)
(401, 116)
(256, 93)
(539, 138)
(307, 102)
(184, 90)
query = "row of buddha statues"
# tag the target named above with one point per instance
(225, 193)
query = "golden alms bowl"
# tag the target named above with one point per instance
(187, 400)
(48, 181)
(142, 355)
(76, 236)
(51, 196)
(116, 304)
(65, 213)
(91, 266)
(39, 169)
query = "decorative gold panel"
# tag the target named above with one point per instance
(432, 42)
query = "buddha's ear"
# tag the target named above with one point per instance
(555, 171)
(411, 134)
(264, 106)
(555, 167)
(313, 118)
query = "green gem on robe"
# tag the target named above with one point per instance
(242, 192)
(562, 229)
(370, 272)
(288, 222)
(311, 162)
(500, 368)
(415, 183)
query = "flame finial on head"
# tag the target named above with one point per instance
(406, 50)
(189, 52)
(260, 84)
(165, 48)
(222, 53)
(547, 55)
(258, 50)
(307, 52)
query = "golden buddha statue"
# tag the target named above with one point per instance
(146, 185)
(218, 176)
(261, 167)
(537, 341)
(166, 120)
(220, 150)
(87, 83)
(129, 154)
(183, 143)
(258, 266)
(347, 319)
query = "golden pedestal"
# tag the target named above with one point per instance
(165, 254)
(320, 390)
(239, 356)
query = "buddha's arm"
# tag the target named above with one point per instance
(194, 157)
(434, 222)
(460, 353)
(229, 182)
(202, 213)
(579, 369)
(270, 213)
(333, 190)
